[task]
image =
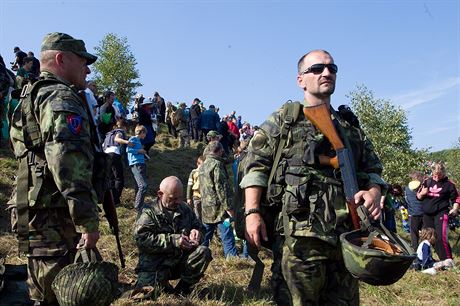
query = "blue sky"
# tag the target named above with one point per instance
(242, 55)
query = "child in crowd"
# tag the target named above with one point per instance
(113, 142)
(193, 188)
(425, 261)
(136, 161)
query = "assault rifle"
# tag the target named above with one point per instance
(319, 115)
(111, 215)
(107, 202)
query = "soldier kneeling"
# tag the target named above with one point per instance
(168, 235)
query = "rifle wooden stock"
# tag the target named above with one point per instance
(111, 215)
(320, 116)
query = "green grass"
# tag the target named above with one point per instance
(226, 280)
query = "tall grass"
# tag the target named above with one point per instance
(226, 280)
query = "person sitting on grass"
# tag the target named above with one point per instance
(425, 261)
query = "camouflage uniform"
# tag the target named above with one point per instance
(314, 210)
(161, 259)
(67, 202)
(182, 128)
(216, 199)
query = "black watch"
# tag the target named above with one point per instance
(251, 211)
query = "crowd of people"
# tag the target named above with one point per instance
(429, 206)
(287, 158)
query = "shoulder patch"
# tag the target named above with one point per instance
(74, 122)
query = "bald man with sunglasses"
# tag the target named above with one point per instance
(308, 267)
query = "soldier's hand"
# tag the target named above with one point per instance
(255, 230)
(189, 202)
(184, 243)
(195, 236)
(130, 144)
(90, 239)
(371, 200)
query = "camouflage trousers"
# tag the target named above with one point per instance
(41, 273)
(281, 294)
(184, 139)
(190, 268)
(197, 207)
(316, 274)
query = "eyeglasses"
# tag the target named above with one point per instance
(319, 68)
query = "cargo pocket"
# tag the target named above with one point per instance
(296, 195)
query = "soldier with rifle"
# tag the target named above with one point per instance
(56, 145)
(309, 189)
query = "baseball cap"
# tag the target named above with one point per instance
(64, 42)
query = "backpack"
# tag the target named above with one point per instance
(109, 140)
(268, 212)
(28, 147)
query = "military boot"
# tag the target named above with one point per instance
(183, 288)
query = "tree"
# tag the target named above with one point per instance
(451, 158)
(115, 68)
(386, 125)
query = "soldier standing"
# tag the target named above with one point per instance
(168, 235)
(310, 195)
(216, 198)
(56, 200)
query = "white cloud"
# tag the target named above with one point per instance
(427, 94)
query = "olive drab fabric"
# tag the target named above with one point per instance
(216, 196)
(312, 201)
(91, 282)
(52, 140)
(157, 233)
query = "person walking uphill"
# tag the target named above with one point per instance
(136, 161)
(168, 235)
(309, 194)
(216, 198)
(59, 156)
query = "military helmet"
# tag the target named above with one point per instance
(86, 283)
(375, 255)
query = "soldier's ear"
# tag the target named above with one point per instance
(159, 193)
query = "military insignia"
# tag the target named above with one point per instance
(74, 123)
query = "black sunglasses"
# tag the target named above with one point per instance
(319, 68)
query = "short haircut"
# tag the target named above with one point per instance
(139, 129)
(416, 175)
(300, 62)
(214, 147)
(28, 59)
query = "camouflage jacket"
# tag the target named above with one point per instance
(181, 119)
(66, 202)
(157, 235)
(216, 197)
(311, 195)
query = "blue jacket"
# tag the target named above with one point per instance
(414, 206)
(209, 120)
(133, 156)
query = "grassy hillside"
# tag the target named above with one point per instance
(226, 280)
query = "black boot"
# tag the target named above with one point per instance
(183, 288)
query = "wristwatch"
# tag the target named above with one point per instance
(251, 211)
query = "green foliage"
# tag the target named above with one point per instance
(451, 158)
(387, 127)
(115, 68)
